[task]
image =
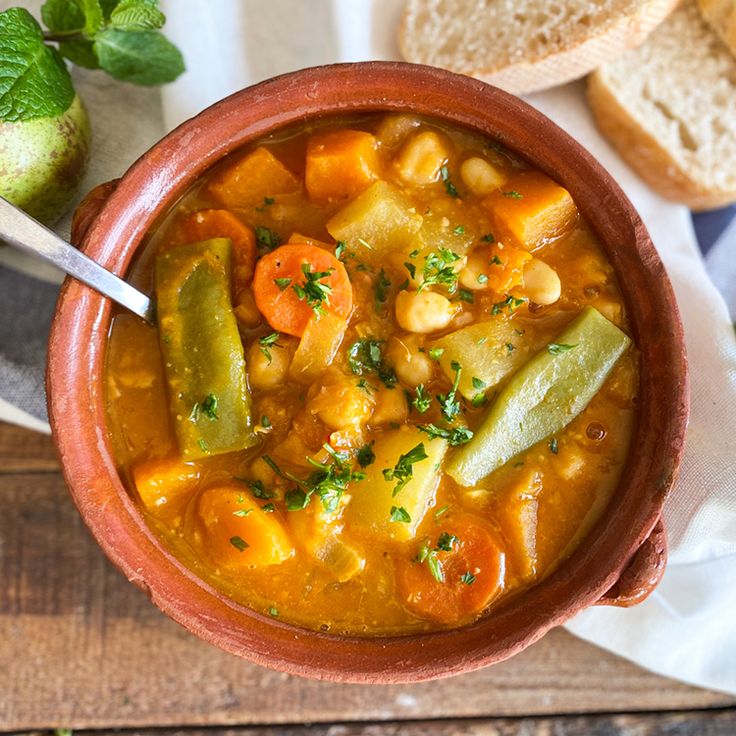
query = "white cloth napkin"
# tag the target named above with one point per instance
(687, 628)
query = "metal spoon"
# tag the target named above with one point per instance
(23, 232)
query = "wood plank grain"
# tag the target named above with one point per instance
(22, 450)
(693, 723)
(80, 647)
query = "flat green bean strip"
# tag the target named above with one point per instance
(543, 397)
(202, 350)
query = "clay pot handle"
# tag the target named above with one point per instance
(88, 210)
(643, 573)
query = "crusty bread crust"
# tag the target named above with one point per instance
(601, 43)
(721, 16)
(645, 155)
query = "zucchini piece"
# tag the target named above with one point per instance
(378, 220)
(483, 352)
(543, 397)
(372, 499)
(202, 350)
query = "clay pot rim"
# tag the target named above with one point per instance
(159, 177)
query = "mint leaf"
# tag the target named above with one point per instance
(137, 15)
(92, 16)
(61, 16)
(141, 57)
(34, 82)
(81, 52)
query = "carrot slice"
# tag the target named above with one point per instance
(207, 224)
(282, 274)
(472, 573)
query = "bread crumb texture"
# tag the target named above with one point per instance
(669, 107)
(525, 45)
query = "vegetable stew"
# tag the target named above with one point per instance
(391, 383)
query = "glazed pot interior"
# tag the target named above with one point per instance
(153, 184)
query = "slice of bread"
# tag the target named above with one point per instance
(721, 15)
(669, 107)
(525, 45)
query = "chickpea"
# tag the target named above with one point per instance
(480, 176)
(423, 311)
(476, 268)
(411, 366)
(339, 402)
(394, 128)
(264, 373)
(391, 407)
(541, 282)
(246, 311)
(421, 159)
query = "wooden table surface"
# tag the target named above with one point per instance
(82, 648)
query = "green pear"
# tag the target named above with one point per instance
(42, 161)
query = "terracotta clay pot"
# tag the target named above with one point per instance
(618, 563)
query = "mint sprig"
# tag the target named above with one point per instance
(119, 36)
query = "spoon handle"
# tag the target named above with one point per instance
(22, 231)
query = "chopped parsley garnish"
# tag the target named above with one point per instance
(399, 513)
(273, 611)
(267, 202)
(478, 383)
(265, 421)
(366, 356)
(267, 238)
(380, 291)
(446, 541)
(440, 512)
(268, 508)
(449, 404)
(456, 436)
(423, 400)
(208, 407)
(495, 261)
(328, 481)
(269, 341)
(313, 290)
(556, 348)
(439, 269)
(468, 578)
(403, 471)
(482, 278)
(239, 543)
(435, 353)
(510, 302)
(283, 284)
(340, 248)
(513, 194)
(203, 445)
(411, 268)
(479, 400)
(242, 512)
(450, 188)
(553, 448)
(414, 253)
(509, 347)
(488, 238)
(366, 456)
(257, 489)
(464, 295)
(459, 230)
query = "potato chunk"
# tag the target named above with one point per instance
(530, 210)
(239, 533)
(250, 180)
(370, 510)
(340, 164)
(516, 514)
(376, 221)
(317, 347)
